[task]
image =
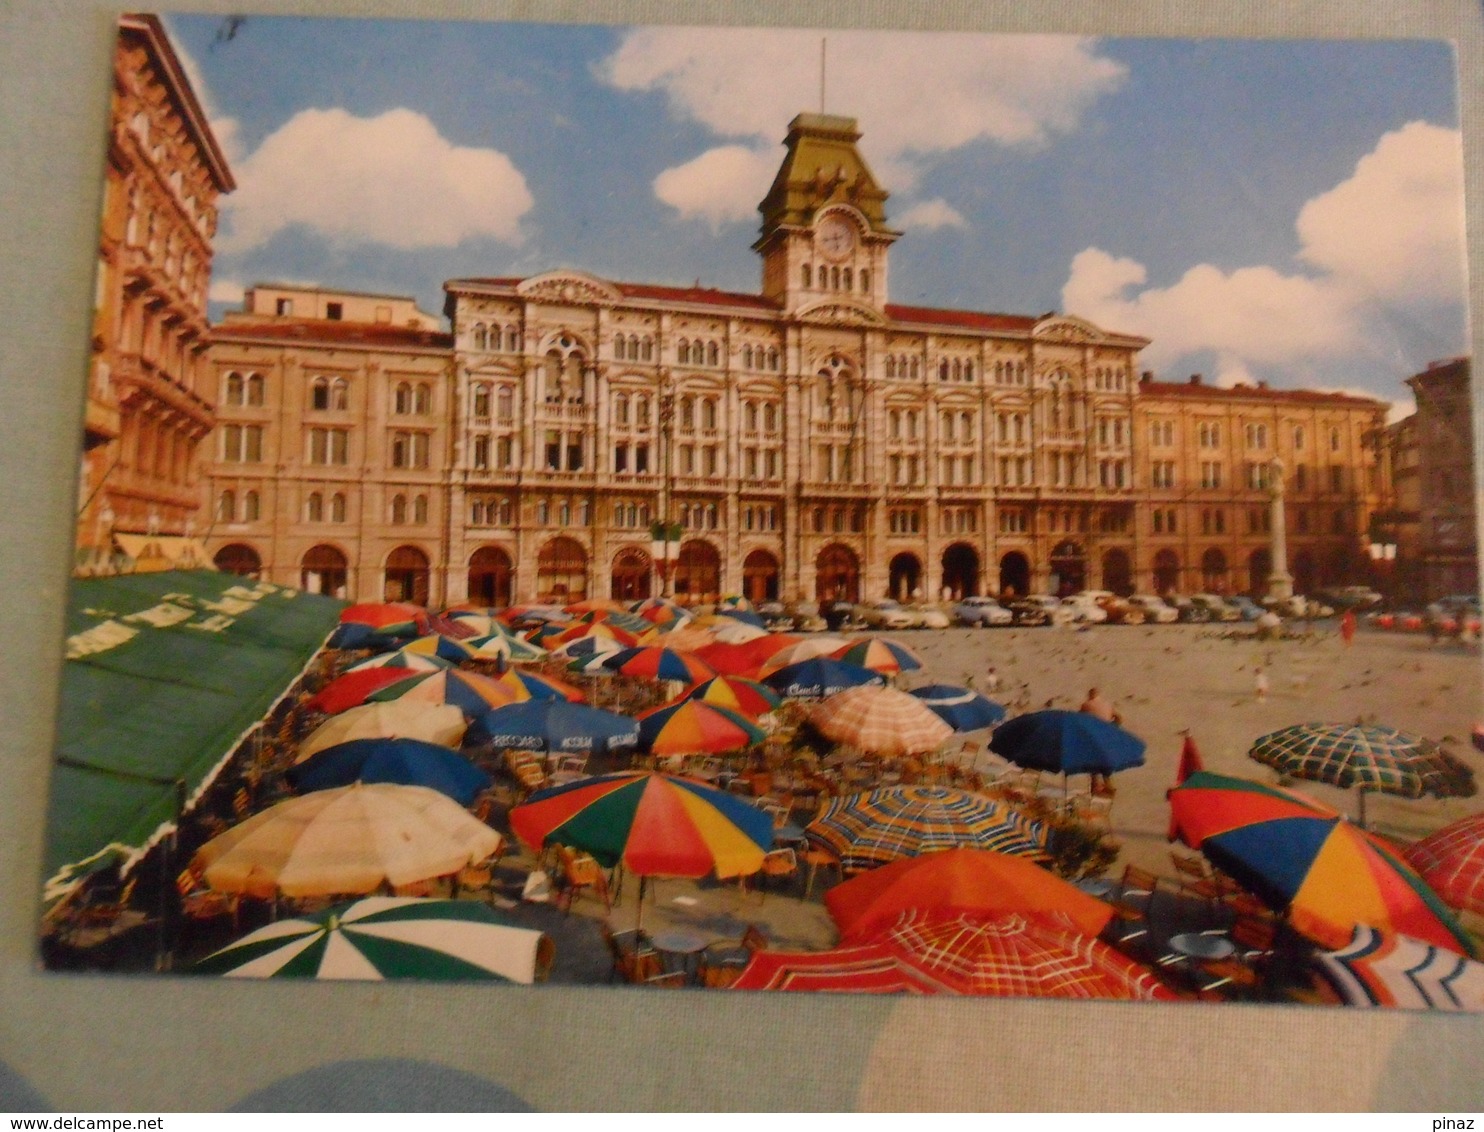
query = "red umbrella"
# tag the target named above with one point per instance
(744, 659)
(869, 968)
(385, 615)
(1452, 862)
(351, 689)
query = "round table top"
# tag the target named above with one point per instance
(677, 941)
(1199, 946)
(1096, 886)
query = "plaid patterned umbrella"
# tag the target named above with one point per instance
(1018, 957)
(1381, 969)
(869, 968)
(879, 826)
(881, 721)
(1371, 758)
(1452, 862)
(880, 655)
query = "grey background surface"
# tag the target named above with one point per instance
(143, 1044)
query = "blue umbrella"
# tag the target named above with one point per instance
(963, 709)
(1069, 742)
(746, 616)
(408, 762)
(818, 678)
(554, 725)
(354, 635)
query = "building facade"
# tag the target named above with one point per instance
(1448, 547)
(815, 440)
(148, 405)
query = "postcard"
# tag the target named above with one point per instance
(756, 509)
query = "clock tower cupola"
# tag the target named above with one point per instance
(824, 232)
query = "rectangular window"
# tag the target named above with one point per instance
(1336, 478)
(283, 306)
(641, 458)
(621, 458)
(574, 454)
(335, 310)
(553, 451)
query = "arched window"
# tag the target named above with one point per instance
(713, 355)
(505, 404)
(564, 514)
(708, 413)
(848, 280)
(682, 351)
(621, 409)
(641, 411)
(314, 508)
(773, 359)
(481, 452)
(402, 400)
(251, 507)
(422, 401)
(865, 280)
(481, 336)
(807, 275)
(233, 392)
(482, 401)
(512, 339)
(340, 394)
(746, 357)
(420, 509)
(770, 417)
(749, 416)
(337, 507)
(399, 509)
(583, 513)
(687, 412)
(226, 507)
(255, 392)
(319, 393)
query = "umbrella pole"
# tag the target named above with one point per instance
(1362, 793)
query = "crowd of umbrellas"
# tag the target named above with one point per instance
(946, 882)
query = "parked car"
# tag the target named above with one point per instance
(1245, 606)
(776, 617)
(1217, 607)
(884, 613)
(1299, 606)
(1188, 611)
(1122, 611)
(841, 617)
(1056, 613)
(1155, 609)
(1084, 606)
(983, 612)
(929, 616)
(1028, 612)
(1358, 598)
(806, 618)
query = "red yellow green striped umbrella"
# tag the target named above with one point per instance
(435, 644)
(735, 693)
(694, 727)
(652, 824)
(658, 663)
(470, 692)
(1299, 856)
(538, 687)
(879, 655)
(599, 629)
(416, 661)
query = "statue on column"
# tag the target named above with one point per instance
(1280, 581)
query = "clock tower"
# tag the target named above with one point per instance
(824, 233)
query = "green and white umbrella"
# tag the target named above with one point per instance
(385, 937)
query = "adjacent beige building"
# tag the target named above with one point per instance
(811, 441)
(1447, 532)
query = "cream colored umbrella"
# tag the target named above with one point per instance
(406, 718)
(880, 721)
(346, 842)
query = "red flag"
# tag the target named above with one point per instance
(1190, 762)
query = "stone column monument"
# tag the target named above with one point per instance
(1280, 581)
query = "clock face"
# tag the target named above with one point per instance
(835, 237)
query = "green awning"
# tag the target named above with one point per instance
(165, 674)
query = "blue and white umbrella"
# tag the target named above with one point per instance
(818, 678)
(556, 726)
(407, 762)
(963, 709)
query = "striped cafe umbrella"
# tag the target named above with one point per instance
(963, 709)
(1017, 956)
(418, 662)
(880, 655)
(432, 723)
(585, 646)
(865, 968)
(879, 826)
(351, 689)
(880, 721)
(346, 842)
(435, 644)
(695, 727)
(1383, 969)
(1303, 858)
(736, 693)
(410, 762)
(601, 630)
(506, 647)
(1452, 862)
(389, 937)
(659, 610)
(976, 883)
(654, 825)
(818, 678)
(470, 692)
(1379, 759)
(660, 664)
(539, 687)
(390, 617)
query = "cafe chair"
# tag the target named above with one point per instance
(582, 874)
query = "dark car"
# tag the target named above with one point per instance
(776, 617)
(841, 617)
(1191, 612)
(1027, 612)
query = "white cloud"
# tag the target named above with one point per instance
(392, 179)
(1386, 240)
(928, 214)
(1395, 228)
(225, 291)
(914, 95)
(721, 185)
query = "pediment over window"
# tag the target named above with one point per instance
(835, 312)
(569, 287)
(1066, 328)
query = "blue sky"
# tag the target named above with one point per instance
(1280, 210)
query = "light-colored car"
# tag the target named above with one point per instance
(1121, 611)
(929, 616)
(884, 613)
(1056, 612)
(1219, 609)
(1155, 609)
(983, 612)
(1084, 606)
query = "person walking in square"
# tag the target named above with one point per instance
(1261, 682)
(1347, 627)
